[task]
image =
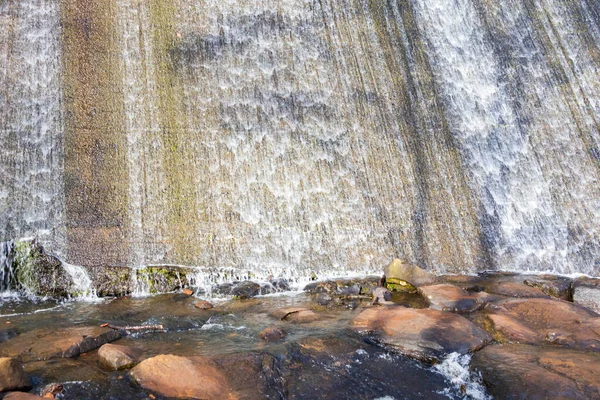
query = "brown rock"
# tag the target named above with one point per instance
(410, 273)
(42, 344)
(251, 375)
(555, 286)
(12, 375)
(514, 289)
(116, 357)
(446, 297)
(21, 396)
(182, 377)
(203, 305)
(537, 321)
(425, 334)
(530, 372)
(188, 292)
(272, 333)
(296, 314)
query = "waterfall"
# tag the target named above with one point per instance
(296, 136)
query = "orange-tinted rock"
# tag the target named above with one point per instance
(12, 376)
(115, 356)
(42, 344)
(514, 289)
(204, 305)
(182, 377)
(272, 333)
(555, 286)
(531, 372)
(425, 334)
(446, 297)
(21, 396)
(537, 321)
(188, 292)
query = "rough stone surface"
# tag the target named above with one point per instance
(337, 287)
(552, 285)
(182, 377)
(42, 344)
(586, 292)
(21, 396)
(410, 273)
(446, 297)
(272, 333)
(12, 376)
(531, 372)
(111, 281)
(116, 357)
(537, 321)
(424, 334)
(514, 289)
(246, 290)
(382, 295)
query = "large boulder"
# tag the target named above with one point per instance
(115, 356)
(12, 376)
(549, 321)
(21, 396)
(446, 297)
(552, 285)
(182, 377)
(586, 292)
(400, 270)
(531, 372)
(425, 334)
(45, 343)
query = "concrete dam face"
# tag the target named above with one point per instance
(304, 135)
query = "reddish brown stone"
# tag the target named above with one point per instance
(272, 334)
(115, 356)
(182, 377)
(21, 396)
(12, 375)
(446, 297)
(42, 344)
(203, 305)
(531, 372)
(425, 334)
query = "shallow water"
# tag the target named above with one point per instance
(328, 348)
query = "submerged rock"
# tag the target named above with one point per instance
(382, 295)
(203, 305)
(12, 376)
(182, 377)
(410, 273)
(427, 335)
(537, 321)
(272, 333)
(118, 357)
(344, 286)
(446, 297)
(21, 396)
(42, 344)
(530, 372)
(586, 292)
(296, 314)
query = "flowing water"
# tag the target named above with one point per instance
(303, 135)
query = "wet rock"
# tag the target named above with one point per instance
(12, 376)
(528, 372)
(345, 286)
(118, 357)
(272, 334)
(586, 292)
(400, 270)
(514, 289)
(382, 295)
(552, 285)
(446, 297)
(111, 281)
(51, 390)
(279, 285)
(203, 305)
(21, 396)
(427, 335)
(42, 344)
(345, 367)
(537, 321)
(6, 334)
(182, 377)
(251, 375)
(323, 299)
(296, 314)
(246, 290)
(188, 292)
